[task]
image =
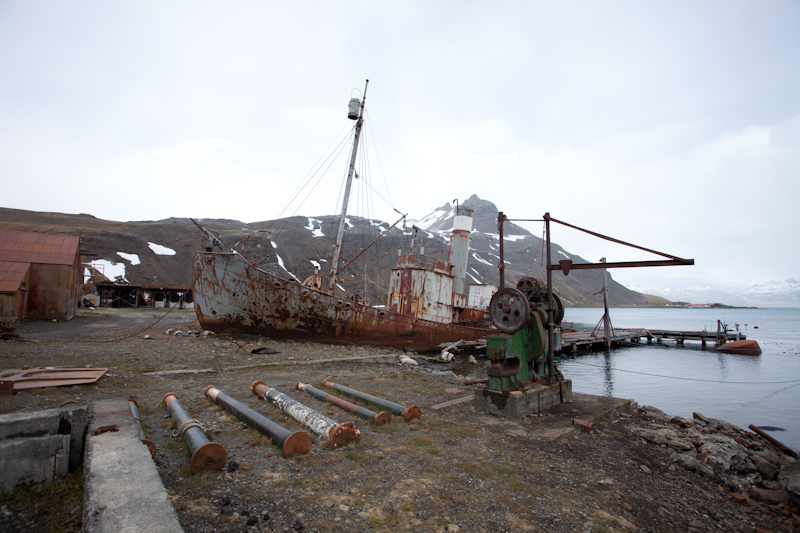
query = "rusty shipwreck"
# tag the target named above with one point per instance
(428, 301)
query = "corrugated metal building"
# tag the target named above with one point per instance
(39, 275)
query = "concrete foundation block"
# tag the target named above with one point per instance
(40, 446)
(32, 461)
(532, 401)
(123, 491)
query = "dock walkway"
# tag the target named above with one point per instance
(573, 342)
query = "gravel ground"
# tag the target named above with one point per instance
(452, 470)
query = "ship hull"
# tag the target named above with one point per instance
(232, 296)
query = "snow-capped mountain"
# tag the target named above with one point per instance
(783, 292)
(767, 294)
(697, 295)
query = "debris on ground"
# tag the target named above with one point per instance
(9, 333)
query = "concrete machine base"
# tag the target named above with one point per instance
(519, 404)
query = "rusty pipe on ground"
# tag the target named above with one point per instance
(337, 434)
(292, 442)
(205, 454)
(374, 418)
(142, 437)
(406, 412)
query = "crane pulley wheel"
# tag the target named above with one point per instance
(532, 288)
(509, 310)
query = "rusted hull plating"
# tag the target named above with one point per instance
(337, 434)
(746, 347)
(232, 296)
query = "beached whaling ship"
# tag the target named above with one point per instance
(428, 303)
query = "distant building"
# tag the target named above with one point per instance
(481, 295)
(39, 275)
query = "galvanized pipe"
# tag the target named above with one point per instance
(374, 418)
(406, 412)
(205, 454)
(147, 442)
(337, 434)
(292, 442)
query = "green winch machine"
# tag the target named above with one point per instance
(520, 367)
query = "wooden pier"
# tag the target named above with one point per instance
(573, 342)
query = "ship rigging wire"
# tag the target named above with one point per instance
(314, 169)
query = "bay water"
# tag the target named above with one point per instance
(760, 390)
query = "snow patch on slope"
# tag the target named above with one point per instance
(280, 262)
(107, 268)
(310, 227)
(133, 258)
(160, 250)
(481, 260)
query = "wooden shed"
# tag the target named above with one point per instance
(39, 275)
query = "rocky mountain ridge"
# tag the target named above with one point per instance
(293, 247)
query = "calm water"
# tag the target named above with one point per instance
(744, 390)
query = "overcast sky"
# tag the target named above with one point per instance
(672, 125)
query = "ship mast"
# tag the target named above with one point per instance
(337, 248)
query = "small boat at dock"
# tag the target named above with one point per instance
(744, 347)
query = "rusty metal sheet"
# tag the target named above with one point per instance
(47, 248)
(12, 275)
(232, 296)
(48, 377)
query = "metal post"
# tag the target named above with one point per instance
(142, 437)
(205, 454)
(606, 317)
(292, 442)
(377, 419)
(337, 434)
(337, 250)
(501, 218)
(406, 412)
(551, 366)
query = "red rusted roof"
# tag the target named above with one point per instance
(48, 248)
(11, 275)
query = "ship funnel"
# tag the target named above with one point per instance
(459, 247)
(353, 109)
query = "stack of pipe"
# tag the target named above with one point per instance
(337, 434)
(205, 454)
(377, 419)
(406, 412)
(292, 442)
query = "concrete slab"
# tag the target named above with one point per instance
(521, 404)
(558, 423)
(123, 491)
